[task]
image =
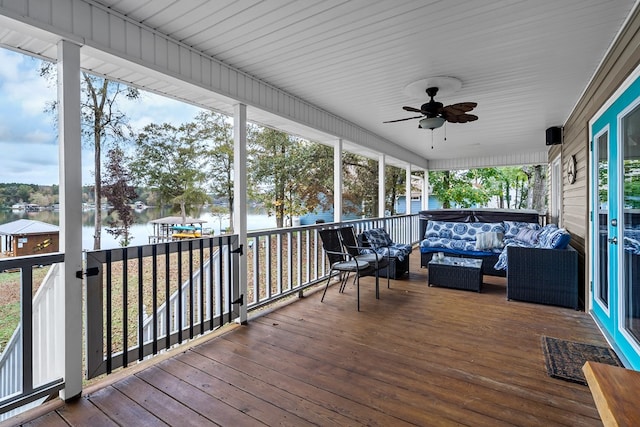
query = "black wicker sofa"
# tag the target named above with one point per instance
(543, 276)
(537, 274)
(488, 216)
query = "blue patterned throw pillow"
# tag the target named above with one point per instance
(378, 238)
(435, 228)
(511, 228)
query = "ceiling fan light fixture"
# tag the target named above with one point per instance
(431, 122)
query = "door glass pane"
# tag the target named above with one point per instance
(603, 218)
(630, 263)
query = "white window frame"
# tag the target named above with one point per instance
(555, 208)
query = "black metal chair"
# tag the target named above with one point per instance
(378, 261)
(342, 262)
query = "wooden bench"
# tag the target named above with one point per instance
(615, 391)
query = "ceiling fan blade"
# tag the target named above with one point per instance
(414, 110)
(469, 117)
(461, 118)
(402, 120)
(460, 108)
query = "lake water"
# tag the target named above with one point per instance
(142, 229)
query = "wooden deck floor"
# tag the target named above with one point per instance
(420, 355)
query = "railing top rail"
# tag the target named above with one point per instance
(165, 247)
(31, 260)
(285, 230)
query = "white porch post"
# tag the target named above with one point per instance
(381, 185)
(337, 181)
(408, 190)
(240, 194)
(408, 199)
(69, 315)
(425, 191)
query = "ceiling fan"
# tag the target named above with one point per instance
(434, 114)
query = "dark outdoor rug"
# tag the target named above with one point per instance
(564, 359)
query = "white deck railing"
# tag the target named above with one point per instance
(30, 363)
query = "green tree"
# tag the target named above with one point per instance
(360, 180)
(283, 174)
(457, 189)
(216, 132)
(394, 180)
(173, 162)
(120, 194)
(103, 123)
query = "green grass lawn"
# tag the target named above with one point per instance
(9, 319)
(10, 301)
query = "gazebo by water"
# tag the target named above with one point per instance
(175, 228)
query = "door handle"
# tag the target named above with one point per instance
(613, 240)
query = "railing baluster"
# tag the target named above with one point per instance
(192, 296)
(201, 288)
(229, 280)
(279, 278)
(167, 293)
(109, 314)
(221, 281)
(154, 287)
(267, 259)
(289, 262)
(125, 309)
(180, 296)
(26, 321)
(140, 306)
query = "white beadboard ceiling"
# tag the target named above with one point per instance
(525, 63)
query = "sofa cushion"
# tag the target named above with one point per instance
(489, 240)
(445, 233)
(559, 239)
(378, 238)
(396, 250)
(511, 228)
(544, 238)
(434, 228)
(457, 245)
(528, 236)
(469, 230)
(502, 259)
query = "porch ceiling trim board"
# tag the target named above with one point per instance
(533, 158)
(129, 49)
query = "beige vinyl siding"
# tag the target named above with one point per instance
(621, 60)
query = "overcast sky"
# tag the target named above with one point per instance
(28, 137)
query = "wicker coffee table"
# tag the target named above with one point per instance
(457, 273)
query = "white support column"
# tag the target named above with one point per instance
(425, 191)
(70, 295)
(382, 194)
(408, 191)
(240, 194)
(337, 181)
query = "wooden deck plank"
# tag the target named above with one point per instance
(52, 419)
(354, 412)
(298, 405)
(460, 390)
(240, 400)
(82, 413)
(122, 409)
(163, 406)
(212, 408)
(442, 379)
(419, 355)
